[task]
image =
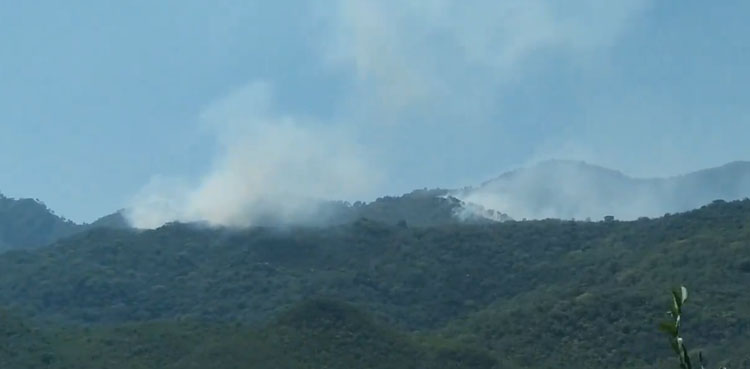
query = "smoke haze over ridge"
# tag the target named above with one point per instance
(277, 165)
(576, 190)
(268, 165)
(247, 110)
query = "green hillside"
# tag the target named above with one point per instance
(539, 294)
(314, 334)
(28, 223)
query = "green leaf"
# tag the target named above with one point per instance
(669, 328)
(684, 294)
(677, 301)
(674, 309)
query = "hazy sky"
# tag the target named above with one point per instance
(203, 106)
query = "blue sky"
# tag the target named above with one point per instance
(194, 107)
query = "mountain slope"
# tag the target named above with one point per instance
(29, 223)
(312, 334)
(21, 346)
(116, 220)
(542, 294)
(418, 208)
(566, 189)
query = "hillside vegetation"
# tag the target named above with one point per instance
(315, 334)
(536, 294)
(29, 223)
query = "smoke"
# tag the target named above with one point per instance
(576, 190)
(467, 82)
(269, 166)
(421, 77)
(450, 55)
(563, 190)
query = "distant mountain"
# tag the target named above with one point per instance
(29, 223)
(568, 189)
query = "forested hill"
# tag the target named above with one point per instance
(553, 189)
(29, 223)
(314, 334)
(535, 294)
(426, 207)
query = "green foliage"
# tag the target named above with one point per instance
(417, 208)
(22, 346)
(672, 329)
(541, 294)
(314, 334)
(29, 223)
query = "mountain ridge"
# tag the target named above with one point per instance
(567, 189)
(538, 293)
(561, 189)
(29, 223)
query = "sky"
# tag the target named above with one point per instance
(205, 109)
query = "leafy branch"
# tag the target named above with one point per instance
(672, 328)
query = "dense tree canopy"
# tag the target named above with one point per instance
(532, 294)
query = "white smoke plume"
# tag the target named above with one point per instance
(414, 52)
(269, 166)
(409, 62)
